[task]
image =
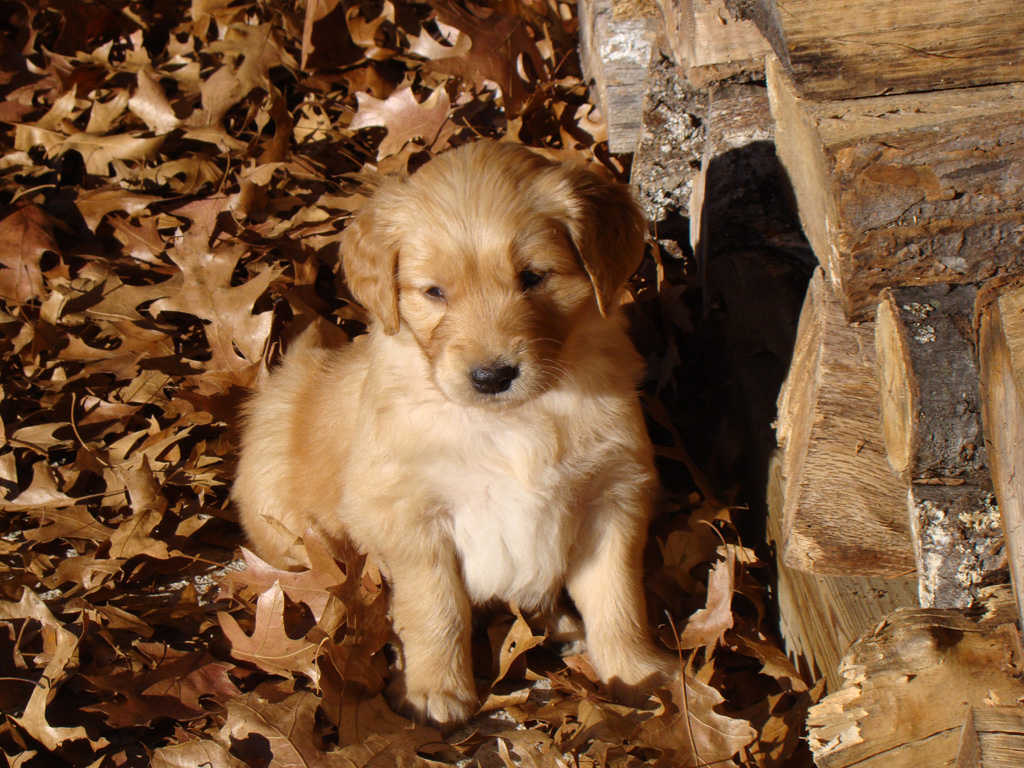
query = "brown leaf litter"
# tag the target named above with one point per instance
(173, 180)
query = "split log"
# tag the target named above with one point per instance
(735, 201)
(671, 144)
(993, 737)
(928, 372)
(712, 43)
(820, 617)
(754, 267)
(931, 419)
(906, 190)
(842, 49)
(615, 54)
(845, 511)
(1001, 353)
(908, 689)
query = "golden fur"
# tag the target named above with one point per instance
(484, 440)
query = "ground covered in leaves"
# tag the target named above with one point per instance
(173, 180)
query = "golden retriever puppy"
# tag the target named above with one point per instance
(484, 440)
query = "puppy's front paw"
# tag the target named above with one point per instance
(445, 708)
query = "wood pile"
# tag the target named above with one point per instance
(895, 496)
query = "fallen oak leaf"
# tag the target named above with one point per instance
(142, 240)
(97, 150)
(60, 649)
(132, 537)
(25, 235)
(173, 688)
(364, 31)
(707, 625)
(517, 641)
(287, 729)
(236, 336)
(456, 43)
(269, 647)
(202, 752)
(310, 586)
(405, 118)
(150, 104)
(95, 204)
(498, 42)
(67, 522)
(686, 723)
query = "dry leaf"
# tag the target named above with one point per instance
(686, 723)
(405, 118)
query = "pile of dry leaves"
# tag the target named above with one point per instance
(173, 180)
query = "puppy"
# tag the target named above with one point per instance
(484, 440)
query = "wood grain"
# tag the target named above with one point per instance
(842, 49)
(845, 510)
(615, 54)
(820, 617)
(1001, 352)
(993, 737)
(711, 42)
(908, 687)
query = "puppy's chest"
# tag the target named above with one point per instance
(512, 510)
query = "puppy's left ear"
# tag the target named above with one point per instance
(607, 229)
(370, 259)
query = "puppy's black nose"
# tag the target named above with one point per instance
(492, 379)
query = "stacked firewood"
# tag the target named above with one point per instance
(898, 477)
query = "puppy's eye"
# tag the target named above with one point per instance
(528, 278)
(435, 293)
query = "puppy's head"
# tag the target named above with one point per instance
(491, 257)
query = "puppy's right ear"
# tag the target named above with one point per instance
(369, 257)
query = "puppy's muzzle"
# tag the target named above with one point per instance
(493, 379)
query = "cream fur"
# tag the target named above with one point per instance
(467, 497)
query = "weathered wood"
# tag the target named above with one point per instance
(931, 419)
(615, 54)
(820, 617)
(845, 511)
(958, 543)
(841, 49)
(906, 190)
(712, 43)
(735, 201)
(928, 373)
(908, 687)
(993, 737)
(671, 144)
(1001, 353)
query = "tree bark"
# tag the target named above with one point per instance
(958, 543)
(928, 373)
(906, 190)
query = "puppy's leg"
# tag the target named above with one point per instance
(431, 616)
(605, 582)
(563, 627)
